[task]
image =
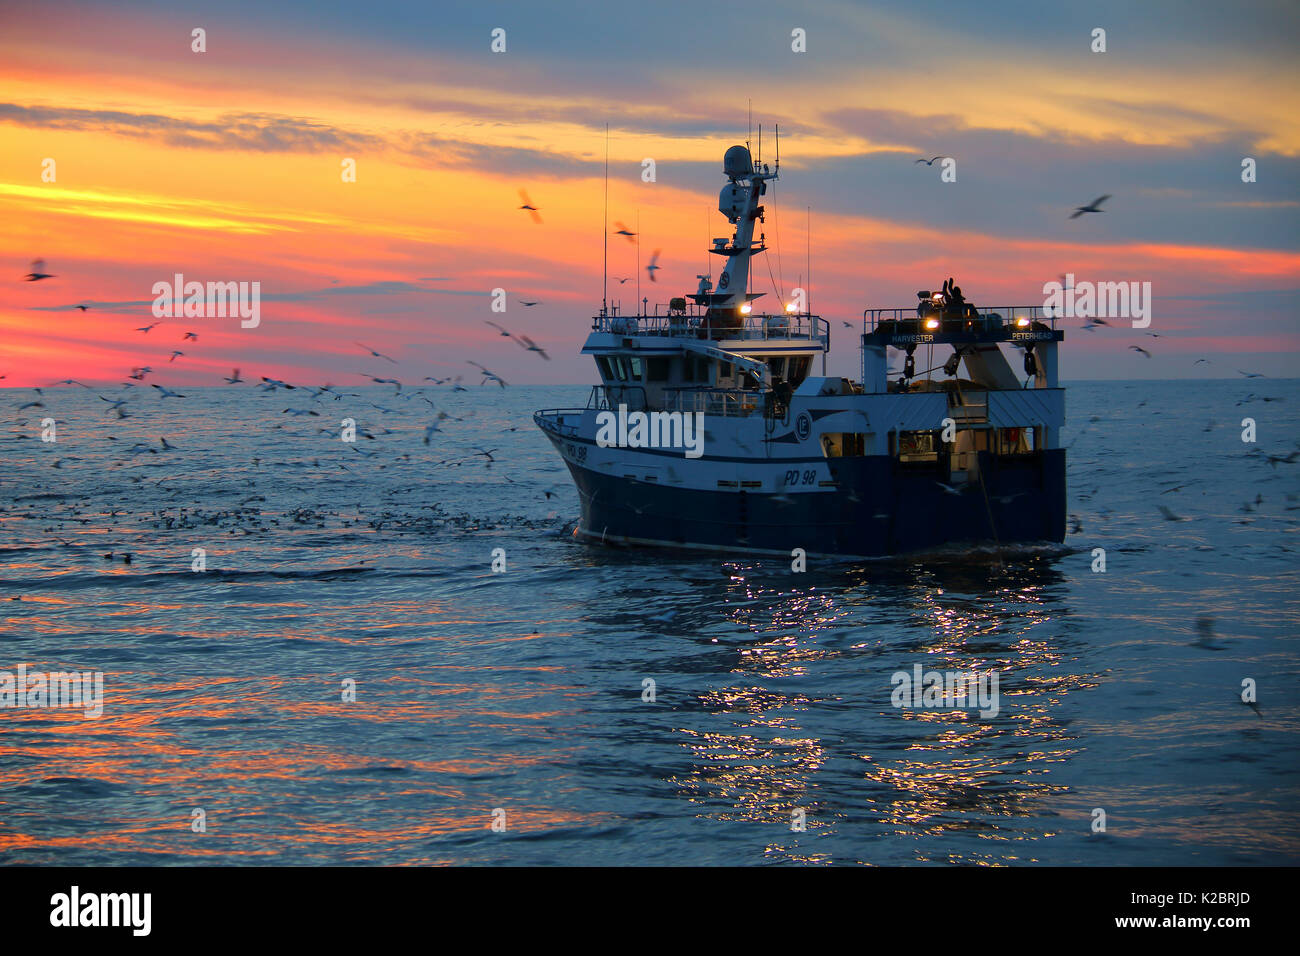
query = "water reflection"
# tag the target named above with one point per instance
(801, 718)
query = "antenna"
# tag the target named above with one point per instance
(750, 135)
(638, 257)
(778, 147)
(604, 289)
(760, 144)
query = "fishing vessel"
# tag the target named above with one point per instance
(714, 428)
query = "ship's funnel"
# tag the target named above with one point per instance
(737, 163)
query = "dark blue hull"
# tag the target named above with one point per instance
(880, 507)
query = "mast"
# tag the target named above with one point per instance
(604, 230)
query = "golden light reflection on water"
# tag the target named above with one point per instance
(923, 772)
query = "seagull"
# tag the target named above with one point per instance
(1091, 207)
(532, 346)
(1091, 323)
(38, 271)
(430, 430)
(1251, 374)
(387, 381)
(654, 259)
(234, 378)
(621, 281)
(146, 328)
(166, 393)
(83, 308)
(623, 230)
(495, 326)
(488, 374)
(139, 373)
(376, 354)
(928, 162)
(529, 305)
(174, 354)
(1138, 348)
(949, 488)
(189, 336)
(1200, 360)
(532, 210)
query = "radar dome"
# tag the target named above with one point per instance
(737, 162)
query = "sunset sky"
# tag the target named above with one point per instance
(226, 166)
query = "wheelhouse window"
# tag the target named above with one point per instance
(916, 447)
(844, 444)
(656, 369)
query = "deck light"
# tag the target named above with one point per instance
(746, 309)
(932, 323)
(790, 307)
(1021, 322)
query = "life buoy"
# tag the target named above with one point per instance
(1012, 435)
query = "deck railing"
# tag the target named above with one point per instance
(724, 402)
(696, 324)
(994, 317)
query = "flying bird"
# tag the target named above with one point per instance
(532, 210)
(190, 337)
(504, 332)
(529, 305)
(376, 354)
(83, 308)
(1094, 206)
(146, 328)
(928, 162)
(234, 378)
(624, 231)
(532, 346)
(38, 271)
(654, 259)
(488, 374)
(1138, 348)
(174, 354)
(166, 393)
